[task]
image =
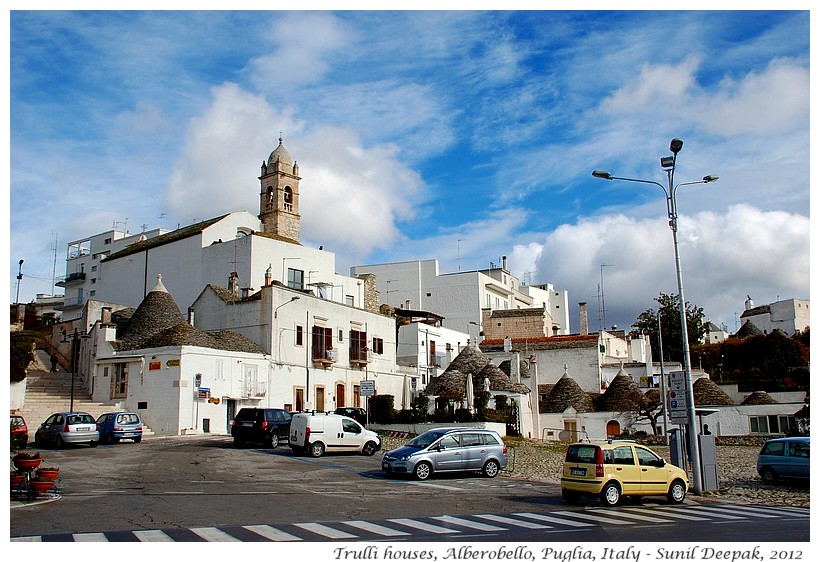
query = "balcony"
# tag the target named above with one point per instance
(72, 278)
(326, 359)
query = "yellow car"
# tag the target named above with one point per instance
(614, 469)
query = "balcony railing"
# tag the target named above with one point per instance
(71, 278)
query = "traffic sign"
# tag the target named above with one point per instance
(367, 388)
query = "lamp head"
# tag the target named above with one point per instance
(675, 145)
(710, 178)
(603, 174)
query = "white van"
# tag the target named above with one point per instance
(317, 433)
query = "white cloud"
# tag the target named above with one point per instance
(724, 257)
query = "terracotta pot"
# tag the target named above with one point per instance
(27, 464)
(41, 487)
(50, 474)
(17, 479)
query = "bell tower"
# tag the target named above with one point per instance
(279, 194)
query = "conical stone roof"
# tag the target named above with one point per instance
(470, 361)
(748, 330)
(156, 312)
(708, 393)
(621, 395)
(758, 397)
(565, 393)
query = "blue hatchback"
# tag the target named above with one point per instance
(114, 426)
(782, 458)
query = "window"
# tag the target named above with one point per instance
(296, 279)
(378, 346)
(358, 345)
(349, 300)
(288, 196)
(341, 336)
(623, 455)
(299, 336)
(772, 424)
(322, 342)
(107, 241)
(431, 360)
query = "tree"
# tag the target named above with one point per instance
(669, 310)
(22, 353)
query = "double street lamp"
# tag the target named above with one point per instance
(74, 340)
(671, 189)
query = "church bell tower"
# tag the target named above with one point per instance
(279, 194)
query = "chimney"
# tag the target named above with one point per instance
(504, 263)
(268, 275)
(105, 315)
(582, 310)
(191, 315)
(233, 283)
(407, 304)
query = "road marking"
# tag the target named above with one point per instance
(515, 522)
(89, 537)
(152, 536)
(442, 486)
(753, 511)
(325, 531)
(467, 523)
(548, 519)
(673, 512)
(27, 539)
(597, 519)
(636, 516)
(377, 529)
(421, 526)
(212, 534)
(715, 512)
(271, 533)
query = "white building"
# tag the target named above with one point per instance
(82, 267)
(790, 315)
(714, 333)
(460, 297)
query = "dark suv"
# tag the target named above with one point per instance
(358, 414)
(261, 425)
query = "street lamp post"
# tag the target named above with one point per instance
(668, 165)
(19, 278)
(74, 340)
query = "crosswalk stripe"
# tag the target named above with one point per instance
(441, 486)
(422, 526)
(325, 531)
(467, 523)
(548, 519)
(637, 516)
(271, 533)
(152, 536)
(753, 511)
(596, 518)
(212, 534)
(515, 522)
(714, 512)
(674, 513)
(377, 529)
(27, 539)
(89, 537)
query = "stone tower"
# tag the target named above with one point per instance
(279, 194)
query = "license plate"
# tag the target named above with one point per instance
(247, 424)
(578, 471)
(127, 434)
(82, 429)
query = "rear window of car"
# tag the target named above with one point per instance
(774, 448)
(79, 419)
(246, 414)
(798, 449)
(128, 418)
(582, 453)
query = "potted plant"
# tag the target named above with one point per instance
(27, 462)
(41, 485)
(50, 472)
(17, 478)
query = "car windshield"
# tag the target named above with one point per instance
(425, 439)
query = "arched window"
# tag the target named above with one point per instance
(288, 199)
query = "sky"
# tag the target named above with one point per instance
(462, 136)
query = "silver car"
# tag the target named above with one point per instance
(68, 428)
(449, 449)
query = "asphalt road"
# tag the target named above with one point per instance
(201, 488)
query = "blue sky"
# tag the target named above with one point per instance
(458, 135)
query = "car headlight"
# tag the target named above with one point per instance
(404, 457)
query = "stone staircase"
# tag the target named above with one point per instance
(47, 393)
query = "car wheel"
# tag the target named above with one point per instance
(677, 492)
(570, 496)
(490, 469)
(611, 494)
(274, 440)
(93, 444)
(369, 449)
(107, 439)
(316, 449)
(423, 471)
(58, 442)
(137, 439)
(768, 475)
